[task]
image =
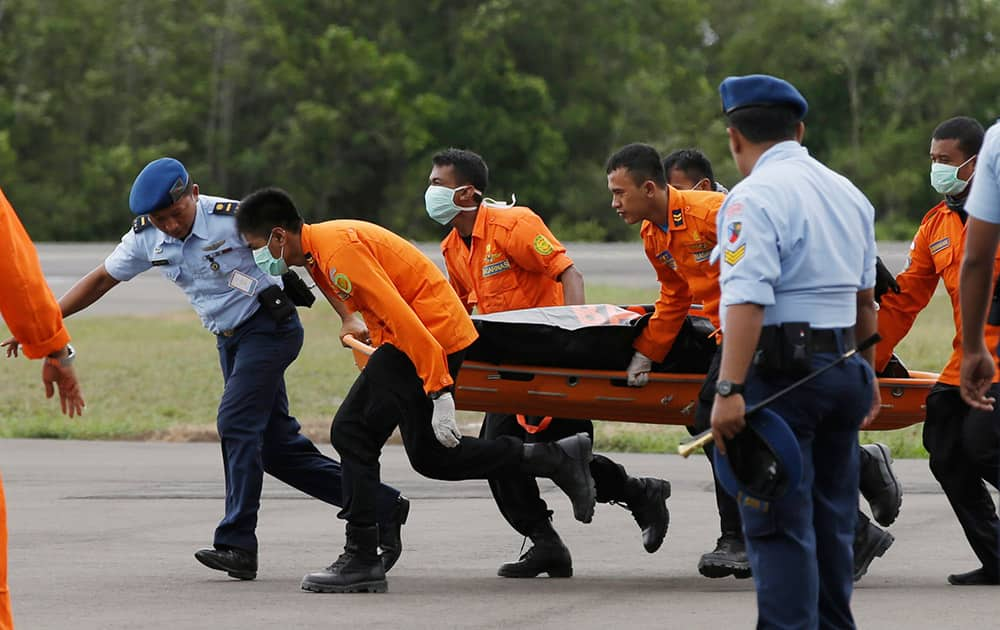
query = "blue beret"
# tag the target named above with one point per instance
(158, 186)
(762, 463)
(760, 89)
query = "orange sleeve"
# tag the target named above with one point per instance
(671, 308)
(533, 247)
(26, 302)
(898, 311)
(378, 294)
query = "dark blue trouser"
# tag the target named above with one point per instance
(259, 436)
(800, 549)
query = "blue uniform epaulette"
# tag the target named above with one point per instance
(225, 207)
(140, 223)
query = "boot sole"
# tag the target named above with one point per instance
(377, 586)
(564, 572)
(581, 452)
(715, 570)
(877, 552)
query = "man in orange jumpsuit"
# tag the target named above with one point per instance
(678, 234)
(503, 258)
(421, 331)
(30, 311)
(963, 443)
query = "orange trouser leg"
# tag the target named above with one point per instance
(6, 621)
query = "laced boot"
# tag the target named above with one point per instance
(567, 463)
(547, 554)
(357, 570)
(728, 558)
(646, 498)
(390, 533)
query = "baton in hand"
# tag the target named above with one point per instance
(705, 437)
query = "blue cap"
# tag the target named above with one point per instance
(760, 89)
(158, 186)
(762, 463)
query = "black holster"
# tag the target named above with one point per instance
(297, 291)
(784, 350)
(275, 303)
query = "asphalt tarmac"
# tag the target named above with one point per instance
(102, 536)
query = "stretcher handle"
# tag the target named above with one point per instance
(705, 436)
(354, 344)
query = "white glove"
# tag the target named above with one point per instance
(638, 370)
(443, 421)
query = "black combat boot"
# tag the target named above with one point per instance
(547, 554)
(646, 498)
(978, 577)
(728, 558)
(238, 563)
(870, 541)
(390, 533)
(879, 484)
(567, 463)
(357, 570)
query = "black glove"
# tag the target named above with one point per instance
(884, 280)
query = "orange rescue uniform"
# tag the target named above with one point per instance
(31, 312)
(679, 252)
(404, 298)
(936, 252)
(513, 261)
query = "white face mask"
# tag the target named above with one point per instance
(438, 201)
(944, 178)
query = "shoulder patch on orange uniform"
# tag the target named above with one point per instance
(542, 245)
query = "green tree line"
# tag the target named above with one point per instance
(342, 102)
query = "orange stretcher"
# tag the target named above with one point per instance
(604, 395)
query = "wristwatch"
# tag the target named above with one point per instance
(66, 361)
(728, 388)
(439, 393)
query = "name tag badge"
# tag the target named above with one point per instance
(242, 282)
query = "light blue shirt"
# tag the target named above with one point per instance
(213, 265)
(798, 239)
(984, 198)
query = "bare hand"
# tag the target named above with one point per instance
(63, 378)
(876, 407)
(356, 328)
(11, 346)
(977, 374)
(727, 419)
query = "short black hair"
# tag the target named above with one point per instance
(692, 163)
(641, 161)
(265, 209)
(470, 167)
(765, 123)
(967, 131)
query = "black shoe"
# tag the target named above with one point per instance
(728, 558)
(979, 577)
(547, 554)
(390, 533)
(357, 570)
(879, 484)
(869, 543)
(649, 508)
(567, 463)
(238, 563)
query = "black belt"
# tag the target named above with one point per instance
(825, 340)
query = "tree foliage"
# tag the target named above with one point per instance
(342, 102)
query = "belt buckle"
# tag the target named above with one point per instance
(229, 332)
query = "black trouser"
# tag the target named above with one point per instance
(517, 496)
(389, 393)
(964, 448)
(729, 513)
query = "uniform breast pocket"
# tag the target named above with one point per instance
(172, 272)
(943, 256)
(495, 290)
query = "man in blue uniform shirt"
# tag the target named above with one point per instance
(797, 249)
(192, 239)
